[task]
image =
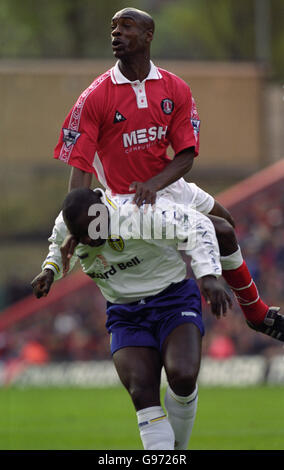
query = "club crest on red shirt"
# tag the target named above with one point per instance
(167, 106)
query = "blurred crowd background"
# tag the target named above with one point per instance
(231, 54)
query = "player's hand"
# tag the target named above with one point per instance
(67, 250)
(145, 193)
(41, 284)
(216, 295)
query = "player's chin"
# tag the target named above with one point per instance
(118, 52)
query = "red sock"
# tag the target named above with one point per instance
(242, 284)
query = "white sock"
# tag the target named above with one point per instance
(155, 430)
(232, 261)
(181, 414)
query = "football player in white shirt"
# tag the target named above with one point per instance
(153, 312)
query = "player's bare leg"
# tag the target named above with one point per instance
(139, 370)
(181, 357)
(258, 314)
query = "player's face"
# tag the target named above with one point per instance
(129, 35)
(80, 230)
(86, 240)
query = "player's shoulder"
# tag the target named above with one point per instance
(173, 79)
(59, 229)
(59, 221)
(97, 88)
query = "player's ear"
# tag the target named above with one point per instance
(149, 36)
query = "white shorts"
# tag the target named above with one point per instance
(179, 192)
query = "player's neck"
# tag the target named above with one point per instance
(136, 68)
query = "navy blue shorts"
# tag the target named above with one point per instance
(148, 322)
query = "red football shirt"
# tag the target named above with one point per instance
(120, 130)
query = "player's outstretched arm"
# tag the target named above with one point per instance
(205, 259)
(67, 250)
(53, 261)
(42, 282)
(215, 295)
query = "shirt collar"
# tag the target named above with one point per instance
(106, 199)
(119, 79)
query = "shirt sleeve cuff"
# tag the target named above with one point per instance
(52, 266)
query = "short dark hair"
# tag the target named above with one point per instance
(77, 202)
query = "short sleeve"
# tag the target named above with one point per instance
(203, 201)
(184, 129)
(77, 142)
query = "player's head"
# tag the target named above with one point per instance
(75, 210)
(131, 32)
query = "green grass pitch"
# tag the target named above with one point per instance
(240, 418)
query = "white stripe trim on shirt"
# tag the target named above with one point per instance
(75, 117)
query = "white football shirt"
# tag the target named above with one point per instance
(133, 264)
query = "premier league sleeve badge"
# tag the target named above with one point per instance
(70, 137)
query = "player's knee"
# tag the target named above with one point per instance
(223, 229)
(225, 234)
(183, 381)
(144, 395)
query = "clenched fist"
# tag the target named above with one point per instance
(42, 282)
